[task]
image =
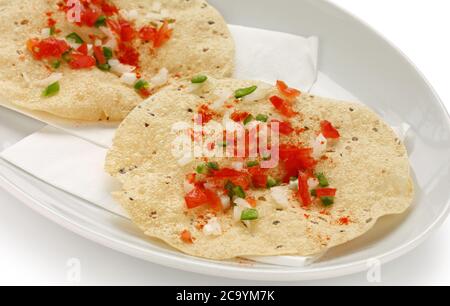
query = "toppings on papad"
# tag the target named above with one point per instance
(287, 180)
(106, 50)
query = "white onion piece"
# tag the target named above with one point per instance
(119, 68)
(188, 187)
(319, 146)
(313, 183)
(238, 166)
(112, 41)
(213, 227)
(46, 32)
(73, 44)
(226, 202)
(98, 43)
(129, 78)
(53, 78)
(161, 78)
(242, 203)
(260, 93)
(222, 96)
(237, 213)
(293, 185)
(280, 195)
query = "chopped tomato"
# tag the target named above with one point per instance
(109, 9)
(148, 33)
(186, 237)
(51, 22)
(81, 61)
(303, 189)
(344, 221)
(128, 55)
(47, 48)
(206, 114)
(83, 49)
(145, 92)
(326, 192)
(328, 130)
(164, 34)
(197, 197)
(89, 17)
(127, 31)
(98, 53)
(259, 177)
(283, 106)
(289, 93)
(285, 127)
(238, 178)
(239, 116)
(213, 200)
(296, 159)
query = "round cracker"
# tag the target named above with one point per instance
(368, 166)
(201, 42)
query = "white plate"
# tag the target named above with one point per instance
(359, 60)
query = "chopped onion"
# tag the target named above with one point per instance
(130, 15)
(119, 68)
(242, 203)
(72, 44)
(129, 78)
(222, 96)
(313, 183)
(161, 78)
(53, 78)
(46, 32)
(98, 43)
(213, 227)
(112, 41)
(238, 166)
(293, 185)
(237, 212)
(319, 146)
(226, 202)
(280, 195)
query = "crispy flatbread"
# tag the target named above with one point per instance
(201, 42)
(368, 166)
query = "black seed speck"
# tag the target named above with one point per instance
(147, 125)
(355, 139)
(351, 109)
(211, 22)
(276, 222)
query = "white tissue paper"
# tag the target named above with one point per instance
(80, 149)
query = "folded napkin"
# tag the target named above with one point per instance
(70, 155)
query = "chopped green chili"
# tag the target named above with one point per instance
(323, 181)
(271, 182)
(104, 67)
(327, 201)
(51, 90)
(108, 53)
(141, 84)
(239, 192)
(249, 215)
(213, 165)
(240, 93)
(248, 119)
(202, 169)
(262, 118)
(252, 164)
(75, 38)
(198, 79)
(101, 22)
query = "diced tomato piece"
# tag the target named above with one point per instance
(51, 22)
(328, 130)
(127, 31)
(148, 33)
(109, 9)
(213, 200)
(238, 178)
(283, 106)
(83, 49)
(289, 93)
(259, 177)
(239, 116)
(114, 26)
(128, 55)
(206, 114)
(164, 34)
(186, 237)
(81, 61)
(326, 192)
(296, 159)
(303, 189)
(47, 48)
(197, 197)
(285, 127)
(98, 53)
(89, 16)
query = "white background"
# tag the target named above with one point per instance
(35, 251)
